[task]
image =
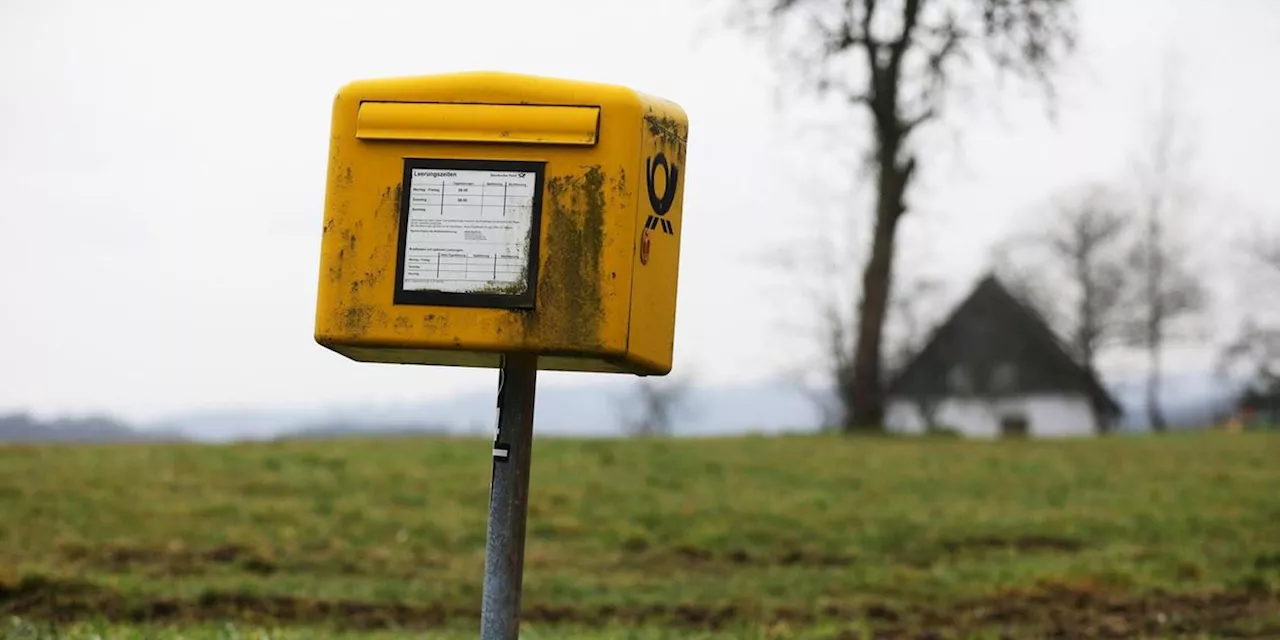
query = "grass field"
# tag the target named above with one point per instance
(813, 536)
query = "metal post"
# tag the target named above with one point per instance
(508, 498)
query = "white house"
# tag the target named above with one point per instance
(994, 368)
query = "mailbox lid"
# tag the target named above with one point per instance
(489, 87)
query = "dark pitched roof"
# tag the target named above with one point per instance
(990, 335)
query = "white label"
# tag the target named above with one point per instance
(468, 231)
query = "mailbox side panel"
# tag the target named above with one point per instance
(659, 222)
(588, 199)
(333, 286)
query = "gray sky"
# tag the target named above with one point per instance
(162, 170)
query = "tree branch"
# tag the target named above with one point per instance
(860, 97)
(1267, 251)
(868, 40)
(838, 39)
(909, 124)
(898, 48)
(953, 36)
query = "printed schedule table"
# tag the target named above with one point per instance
(468, 230)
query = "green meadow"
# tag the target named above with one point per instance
(817, 536)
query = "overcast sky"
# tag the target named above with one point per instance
(162, 171)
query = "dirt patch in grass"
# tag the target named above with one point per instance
(1267, 561)
(925, 554)
(181, 561)
(1084, 611)
(690, 556)
(1022, 544)
(1048, 611)
(172, 561)
(40, 598)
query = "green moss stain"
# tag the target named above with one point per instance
(356, 320)
(390, 207)
(389, 203)
(570, 304)
(620, 185)
(335, 270)
(381, 254)
(666, 130)
(378, 257)
(504, 288)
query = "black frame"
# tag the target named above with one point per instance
(454, 299)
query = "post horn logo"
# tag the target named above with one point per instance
(661, 205)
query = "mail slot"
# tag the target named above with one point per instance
(475, 214)
(477, 123)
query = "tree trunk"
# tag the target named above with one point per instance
(867, 396)
(1154, 414)
(1155, 318)
(1101, 425)
(1087, 332)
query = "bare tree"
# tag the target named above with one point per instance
(914, 313)
(1255, 351)
(1265, 250)
(916, 308)
(1088, 244)
(817, 277)
(838, 335)
(1078, 254)
(1020, 263)
(654, 404)
(1168, 289)
(895, 61)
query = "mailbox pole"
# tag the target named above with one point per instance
(508, 498)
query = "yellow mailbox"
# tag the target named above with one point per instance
(475, 214)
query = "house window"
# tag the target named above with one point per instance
(958, 380)
(1004, 377)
